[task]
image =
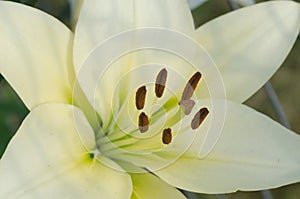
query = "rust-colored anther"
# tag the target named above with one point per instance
(160, 82)
(167, 136)
(199, 118)
(140, 97)
(191, 86)
(143, 122)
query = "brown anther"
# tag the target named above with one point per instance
(143, 122)
(140, 97)
(188, 106)
(191, 86)
(160, 82)
(167, 136)
(199, 118)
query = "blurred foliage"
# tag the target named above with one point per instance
(12, 112)
(285, 82)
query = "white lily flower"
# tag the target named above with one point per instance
(114, 114)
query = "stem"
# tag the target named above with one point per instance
(276, 105)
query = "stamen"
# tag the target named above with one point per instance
(188, 106)
(167, 136)
(199, 118)
(191, 86)
(143, 122)
(140, 97)
(160, 82)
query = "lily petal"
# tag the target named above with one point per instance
(35, 54)
(148, 186)
(47, 154)
(253, 153)
(102, 19)
(249, 45)
(36, 61)
(112, 68)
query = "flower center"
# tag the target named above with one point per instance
(186, 101)
(153, 128)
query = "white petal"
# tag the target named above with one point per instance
(35, 55)
(49, 158)
(102, 19)
(117, 68)
(253, 153)
(249, 45)
(148, 186)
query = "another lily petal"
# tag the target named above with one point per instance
(250, 44)
(253, 153)
(102, 19)
(47, 159)
(35, 54)
(148, 186)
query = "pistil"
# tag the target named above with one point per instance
(188, 92)
(124, 140)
